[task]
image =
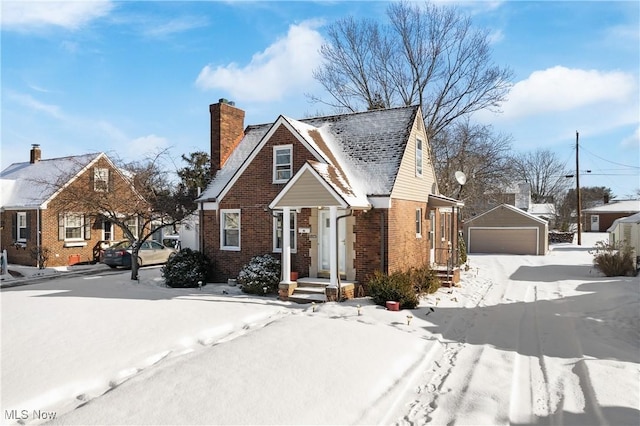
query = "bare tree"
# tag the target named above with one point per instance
(544, 172)
(430, 55)
(138, 197)
(484, 158)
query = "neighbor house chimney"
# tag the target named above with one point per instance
(227, 130)
(36, 154)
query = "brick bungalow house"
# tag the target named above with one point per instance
(33, 211)
(357, 191)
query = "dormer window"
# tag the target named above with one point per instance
(418, 157)
(282, 163)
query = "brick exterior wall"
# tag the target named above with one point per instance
(252, 194)
(59, 255)
(405, 249)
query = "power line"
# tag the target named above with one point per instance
(609, 161)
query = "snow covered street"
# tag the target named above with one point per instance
(525, 340)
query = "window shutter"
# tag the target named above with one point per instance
(87, 227)
(14, 225)
(28, 231)
(60, 226)
(92, 177)
(110, 188)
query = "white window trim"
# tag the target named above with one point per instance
(97, 177)
(223, 213)
(419, 155)
(18, 227)
(418, 222)
(104, 237)
(294, 240)
(134, 226)
(81, 216)
(275, 171)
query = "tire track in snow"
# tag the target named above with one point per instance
(530, 383)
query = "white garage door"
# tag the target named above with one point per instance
(503, 240)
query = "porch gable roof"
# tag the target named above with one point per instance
(316, 185)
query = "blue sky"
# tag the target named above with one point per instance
(131, 78)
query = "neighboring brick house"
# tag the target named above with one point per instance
(33, 213)
(359, 190)
(600, 218)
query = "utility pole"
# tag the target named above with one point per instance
(578, 192)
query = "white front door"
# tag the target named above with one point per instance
(595, 223)
(324, 248)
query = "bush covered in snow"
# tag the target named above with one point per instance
(261, 271)
(613, 259)
(186, 268)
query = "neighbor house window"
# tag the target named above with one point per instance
(73, 226)
(418, 157)
(132, 226)
(107, 230)
(230, 230)
(21, 226)
(277, 232)
(282, 163)
(100, 179)
(418, 223)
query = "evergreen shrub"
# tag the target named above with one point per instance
(613, 259)
(261, 271)
(186, 268)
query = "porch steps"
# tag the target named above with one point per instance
(310, 290)
(446, 279)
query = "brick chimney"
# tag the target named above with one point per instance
(36, 154)
(227, 130)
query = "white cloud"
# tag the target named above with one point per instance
(23, 15)
(32, 103)
(285, 66)
(174, 26)
(563, 89)
(633, 140)
(145, 146)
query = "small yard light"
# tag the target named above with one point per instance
(200, 285)
(409, 318)
(313, 306)
(264, 289)
(358, 306)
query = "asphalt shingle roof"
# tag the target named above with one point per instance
(29, 185)
(366, 146)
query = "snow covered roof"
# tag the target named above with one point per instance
(24, 185)
(634, 218)
(364, 148)
(624, 206)
(542, 209)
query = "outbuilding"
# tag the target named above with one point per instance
(506, 229)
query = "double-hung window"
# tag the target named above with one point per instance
(282, 163)
(132, 225)
(278, 235)
(21, 226)
(418, 157)
(73, 226)
(100, 179)
(230, 230)
(418, 223)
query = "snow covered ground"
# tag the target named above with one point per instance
(525, 340)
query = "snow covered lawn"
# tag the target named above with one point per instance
(525, 340)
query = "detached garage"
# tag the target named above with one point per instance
(506, 229)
